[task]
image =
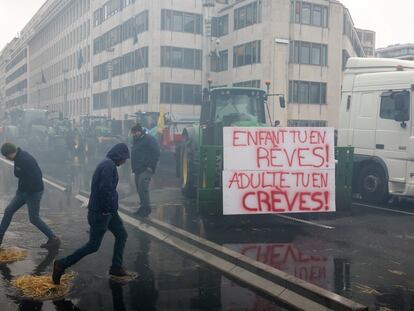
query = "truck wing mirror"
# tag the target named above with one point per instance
(402, 109)
(282, 101)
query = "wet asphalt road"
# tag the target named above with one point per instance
(167, 279)
(365, 254)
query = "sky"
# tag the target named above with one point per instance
(392, 23)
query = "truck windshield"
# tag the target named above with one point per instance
(240, 106)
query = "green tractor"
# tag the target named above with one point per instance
(96, 136)
(203, 141)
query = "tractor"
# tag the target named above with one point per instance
(96, 136)
(202, 142)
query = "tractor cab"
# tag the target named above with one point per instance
(231, 106)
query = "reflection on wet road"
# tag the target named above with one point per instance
(167, 279)
(365, 255)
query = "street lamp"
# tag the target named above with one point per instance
(110, 68)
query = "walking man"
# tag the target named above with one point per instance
(29, 191)
(102, 215)
(144, 159)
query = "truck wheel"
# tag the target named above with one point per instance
(373, 184)
(187, 172)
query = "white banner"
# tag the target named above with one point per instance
(278, 170)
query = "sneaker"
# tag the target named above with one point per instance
(58, 271)
(52, 242)
(143, 212)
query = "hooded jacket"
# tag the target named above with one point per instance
(28, 172)
(145, 154)
(104, 197)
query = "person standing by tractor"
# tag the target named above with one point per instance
(29, 191)
(102, 216)
(144, 159)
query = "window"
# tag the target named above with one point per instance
(220, 62)
(123, 32)
(304, 53)
(109, 9)
(305, 92)
(220, 26)
(394, 103)
(308, 14)
(307, 123)
(308, 53)
(247, 54)
(251, 83)
(181, 21)
(184, 94)
(126, 63)
(176, 57)
(126, 96)
(248, 15)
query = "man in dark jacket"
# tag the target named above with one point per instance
(102, 215)
(29, 191)
(144, 159)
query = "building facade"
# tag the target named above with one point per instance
(118, 57)
(15, 74)
(300, 46)
(368, 41)
(399, 51)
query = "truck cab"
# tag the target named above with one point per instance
(376, 118)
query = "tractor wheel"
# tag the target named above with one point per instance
(373, 184)
(187, 171)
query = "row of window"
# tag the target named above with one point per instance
(176, 57)
(220, 61)
(248, 15)
(184, 94)
(306, 92)
(129, 29)
(126, 96)
(350, 32)
(247, 54)
(308, 53)
(396, 53)
(22, 70)
(69, 63)
(109, 9)
(181, 21)
(71, 85)
(18, 101)
(129, 62)
(308, 13)
(73, 38)
(250, 83)
(60, 24)
(307, 123)
(19, 87)
(16, 60)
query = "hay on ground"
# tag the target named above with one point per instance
(8, 255)
(42, 287)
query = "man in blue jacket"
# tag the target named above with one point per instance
(144, 159)
(29, 191)
(102, 215)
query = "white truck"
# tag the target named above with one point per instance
(376, 118)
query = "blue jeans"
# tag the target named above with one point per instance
(99, 224)
(33, 203)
